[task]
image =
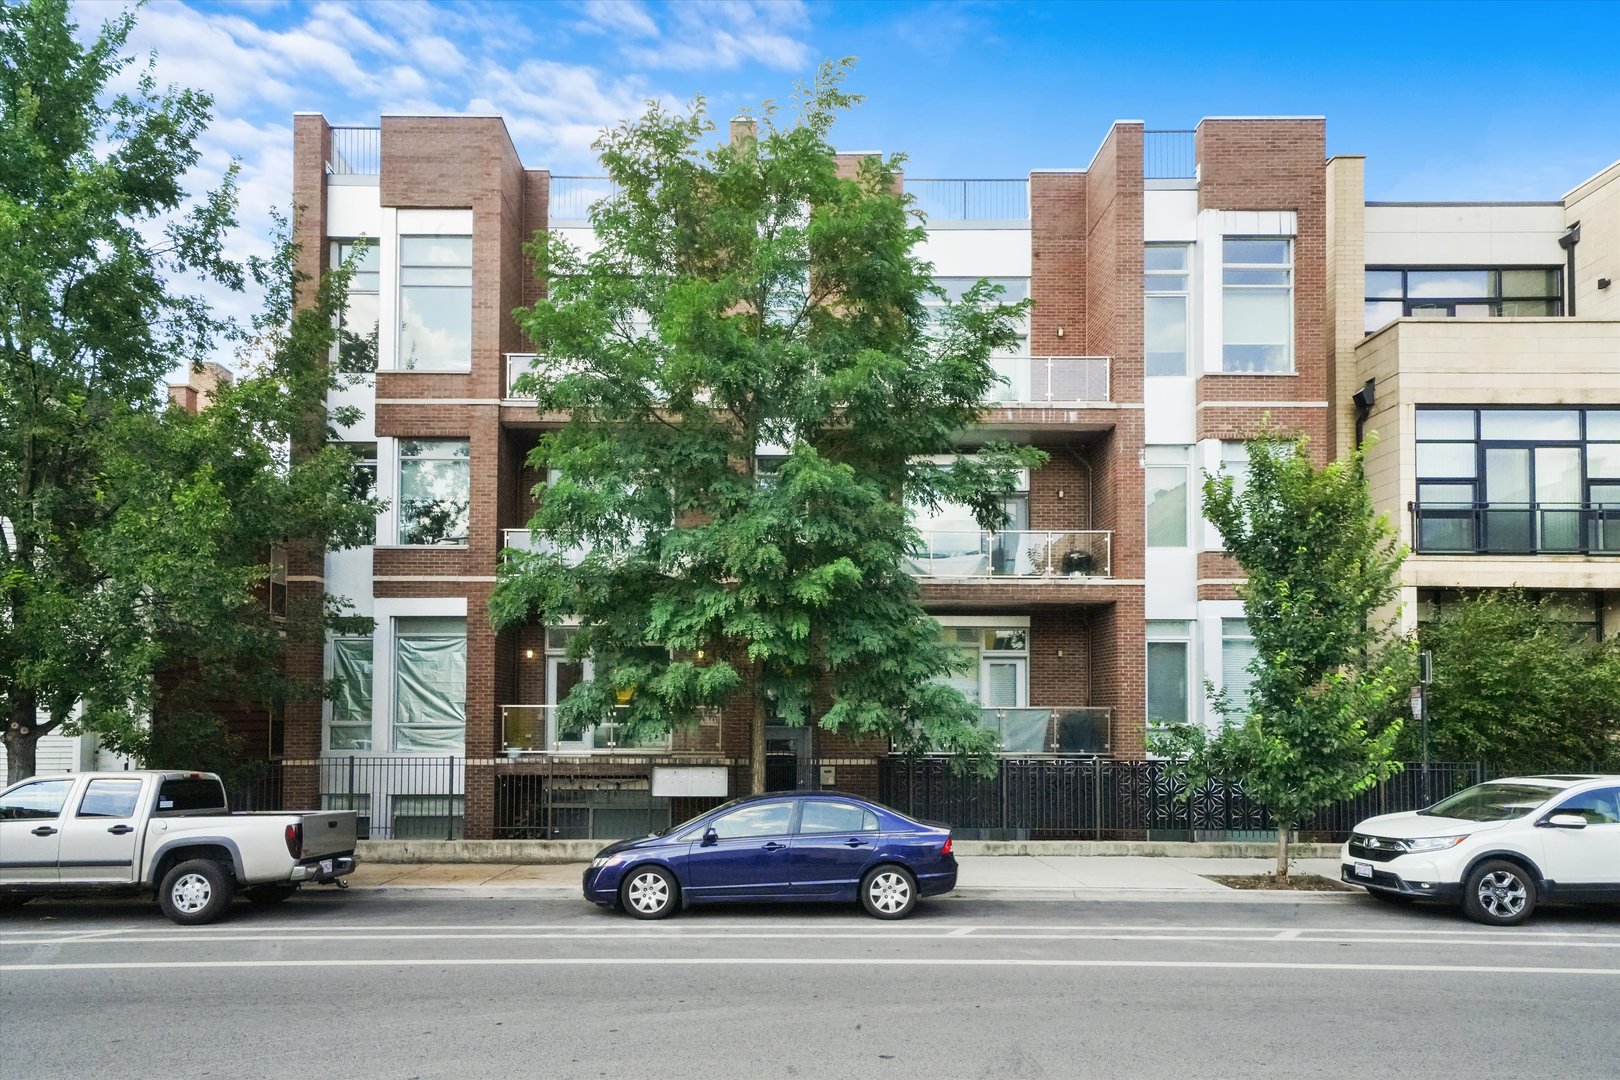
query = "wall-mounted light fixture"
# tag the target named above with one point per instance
(528, 654)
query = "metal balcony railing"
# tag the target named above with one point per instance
(1021, 554)
(1040, 729)
(517, 365)
(1169, 155)
(1050, 380)
(1504, 528)
(573, 196)
(356, 151)
(970, 200)
(524, 540)
(540, 729)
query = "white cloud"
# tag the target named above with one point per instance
(723, 34)
(557, 110)
(617, 17)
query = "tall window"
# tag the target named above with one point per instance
(1523, 481)
(1237, 653)
(363, 474)
(1012, 363)
(1169, 656)
(355, 349)
(1257, 298)
(1165, 308)
(1461, 292)
(430, 685)
(1167, 502)
(951, 543)
(350, 728)
(435, 303)
(435, 491)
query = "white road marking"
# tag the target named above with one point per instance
(806, 961)
(961, 931)
(1287, 935)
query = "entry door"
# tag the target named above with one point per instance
(562, 675)
(31, 831)
(98, 836)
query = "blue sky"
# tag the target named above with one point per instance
(1467, 101)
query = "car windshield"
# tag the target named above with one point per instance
(1492, 802)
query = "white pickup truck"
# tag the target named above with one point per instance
(171, 833)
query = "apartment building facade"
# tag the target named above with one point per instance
(1188, 286)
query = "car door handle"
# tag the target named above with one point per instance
(120, 830)
(774, 846)
(852, 842)
(44, 830)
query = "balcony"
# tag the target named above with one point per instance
(517, 365)
(1031, 555)
(524, 540)
(1049, 380)
(971, 200)
(1069, 730)
(572, 197)
(356, 155)
(537, 729)
(1504, 528)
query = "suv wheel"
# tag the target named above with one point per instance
(1499, 893)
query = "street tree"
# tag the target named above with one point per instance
(1519, 688)
(134, 537)
(755, 389)
(1321, 578)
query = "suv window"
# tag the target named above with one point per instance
(41, 799)
(110, 798)
(770, 819)
(835, 817)
(187, 796)
(1600, 806)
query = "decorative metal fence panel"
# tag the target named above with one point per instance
(1096, 799)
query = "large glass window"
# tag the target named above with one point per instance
(1257, 298)
(435, 491)
(1518, 481)
(1165, 307)
(1168, 481)
(355, 349)
(430, 685)
(350, 728)
(1169, 655)
(435, 303)
(1461, 292)
(951, 543)
(363, 475)
(1237, 653)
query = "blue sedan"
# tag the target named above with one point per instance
(787, 846)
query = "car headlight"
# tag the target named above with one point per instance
(600, 861)
(1435, 843)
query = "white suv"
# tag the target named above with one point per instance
(1498, 848)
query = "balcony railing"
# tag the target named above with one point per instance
(524, 540)
(356, 152)
(1169, 155)
(1503, 528)
(573, 196)
(517, 365)
(1050, 380)
(1017, 554)
(1075, 729)
(539, 729)
(971, 200)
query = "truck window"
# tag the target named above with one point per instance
(110, 798)
(41, 799)
(188, 796)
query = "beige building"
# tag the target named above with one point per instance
(1481, 343)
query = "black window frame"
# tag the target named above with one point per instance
(1408, 301)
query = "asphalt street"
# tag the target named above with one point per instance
(351, 984)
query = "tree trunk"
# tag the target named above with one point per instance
(1282, 852)
(756, 743)
(21, 738)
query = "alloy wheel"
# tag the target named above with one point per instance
(1502, 894)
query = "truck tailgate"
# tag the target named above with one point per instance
(328, 833)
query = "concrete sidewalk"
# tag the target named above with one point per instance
(1021, 877)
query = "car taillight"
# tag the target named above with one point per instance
(295, 840)
(946, 850)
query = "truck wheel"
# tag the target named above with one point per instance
(196, 891)
(269, 894)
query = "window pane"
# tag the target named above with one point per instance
(1530, 309)
(1242, 276)
(1531, 282)
(1603, 424)
(1001, 684)
(768, 820)
(1167, 506)
(1445, 459)
(185, 795)
(1255, 251)
(42, 799)
(435, 251)
(1164, 257)
(1167, 682)
(831, 817)
(435, 483)
(1603, 461)
(1166, 342)
(1529, 424)
(1384, 283)
(453, 276)
(1237, 652)
(1446, 494)
(1445, 423)
(351, 696)
(110, 798)
(430, 685)
(1448, 283)
(1380, 313)
(1257, 329)
(435, 328)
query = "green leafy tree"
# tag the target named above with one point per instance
(1519, 689)
(134, 536)
(1319, 567)
(744, 296)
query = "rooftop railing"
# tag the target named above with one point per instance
(1508, 528)
(356, 152)
(1012, 554)
(1169, 155)
(970, 200)
(573, 196)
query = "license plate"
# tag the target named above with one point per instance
(326, 867)
(1364, 869)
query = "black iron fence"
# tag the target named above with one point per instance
(1096, 799)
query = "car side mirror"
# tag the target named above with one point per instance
(1565, 821)
(712, 837)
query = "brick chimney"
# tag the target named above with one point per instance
(743, 129)
(198, 390)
